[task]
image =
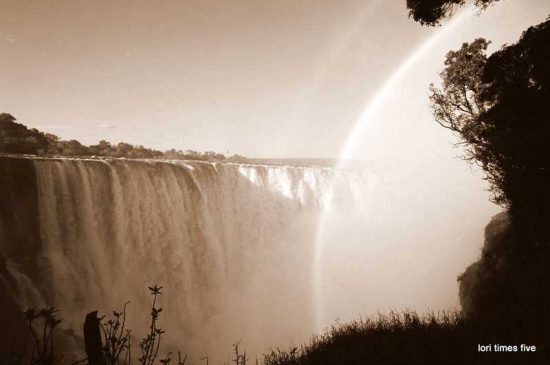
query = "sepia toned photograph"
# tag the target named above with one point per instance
(260, 182)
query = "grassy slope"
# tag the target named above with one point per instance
(410, 339)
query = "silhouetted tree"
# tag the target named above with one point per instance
(431, 12)
(517, 125)
(499, 106)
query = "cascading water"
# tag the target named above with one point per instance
(230, 243)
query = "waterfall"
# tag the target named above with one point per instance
(230, 243)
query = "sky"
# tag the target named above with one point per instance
(271, 78)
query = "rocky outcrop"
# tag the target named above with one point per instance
(508, 285)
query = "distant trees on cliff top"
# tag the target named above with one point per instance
(16, 138)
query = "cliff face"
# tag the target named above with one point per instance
(508, 285)
(19, 233)
(484, 274)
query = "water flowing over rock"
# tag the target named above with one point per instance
(230, 243)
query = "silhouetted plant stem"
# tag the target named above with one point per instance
(43, 346)
(107, 341)
(151, 343)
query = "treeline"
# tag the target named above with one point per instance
(16, 138)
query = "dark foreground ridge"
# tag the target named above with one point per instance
(394, 338)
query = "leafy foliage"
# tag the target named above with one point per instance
(517, 125)
(498, 106)
(458, 104)
(431, 12)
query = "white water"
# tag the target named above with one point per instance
(231, 244)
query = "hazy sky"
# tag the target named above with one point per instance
(264, 78)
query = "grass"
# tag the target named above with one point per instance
(392, 338)
(410, 338)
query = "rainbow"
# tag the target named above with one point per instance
(366, 120)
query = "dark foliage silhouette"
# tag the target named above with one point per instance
(516, 127)
(499, 108)
(150, 344)
(117, 339)
(42, 325)
(432, 12)
(107, 341)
